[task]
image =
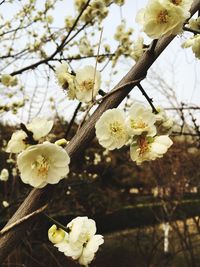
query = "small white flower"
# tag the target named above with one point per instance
(43, 164)
(4, 175)
(66, 80)
(111, 129)
(164, 123)
(141, 120)
(145, 148)
(138, 48)
(162, 18)
(8, 80)
(5, 204)
(17, 143)
(81, 243)
(56, 235)
(88, 81)
(40, 127)
(193, 42)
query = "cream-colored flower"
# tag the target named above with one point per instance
(4, 175)
(141, 120)
(164, 123)
(193, 42)
(55, 234)
(138, 48)
(88, 81)
(162, 18)
(40, 127)
(111, 129)
(8, 80)
(145, 148)
(194, 24)
(5, 204)
(43, 164)
(81, 243)
(17, 143)
(66, 80)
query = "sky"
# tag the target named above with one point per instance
(176, 66)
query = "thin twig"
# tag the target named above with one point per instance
(73, 119)
(149, 100)
(23, 219)
(191, 30)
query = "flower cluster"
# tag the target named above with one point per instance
(79, 241)
(39, 163)
(163, 17)
(83, 86)
(8, 80)
(194, 41)
(96, 11)
(147, 133)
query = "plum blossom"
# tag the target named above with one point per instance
(55, 234)
(4, 175)
(140, 120)
(193, 42)
(111, 130)
(144, 148)
(163, 17)
(88, 81)
(43, 164)
(80, 242)
(40, 127)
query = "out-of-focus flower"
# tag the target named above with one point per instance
(4, 175)
(17, 143)
(62, 142)
(111, 129)
(164, 123)
(145, 148)
(88, 81)
(194, 24)
(43, 164)
(138, 48)
(193, 42)
(162, 18)
(55, 234)
(5, 204)
(8, 80)
(66, 80)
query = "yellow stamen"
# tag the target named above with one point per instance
(162, 17)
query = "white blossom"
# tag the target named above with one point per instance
(138, 48)
(111, 129)
(145, 148)
(40, 127)
(80, 242)
(4, 175)
(5, 204)
(164, 123)
(141, 120)
(43, 164)
(66, 80)
(17, 143)
(88, 81)
(193, 42)
(162, 18)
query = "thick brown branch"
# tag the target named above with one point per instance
(39, 197)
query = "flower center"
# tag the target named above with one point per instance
(41, 164)
(138, 124)
(87, 85)
(162, 17)
(143, 145)
(116, 129)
